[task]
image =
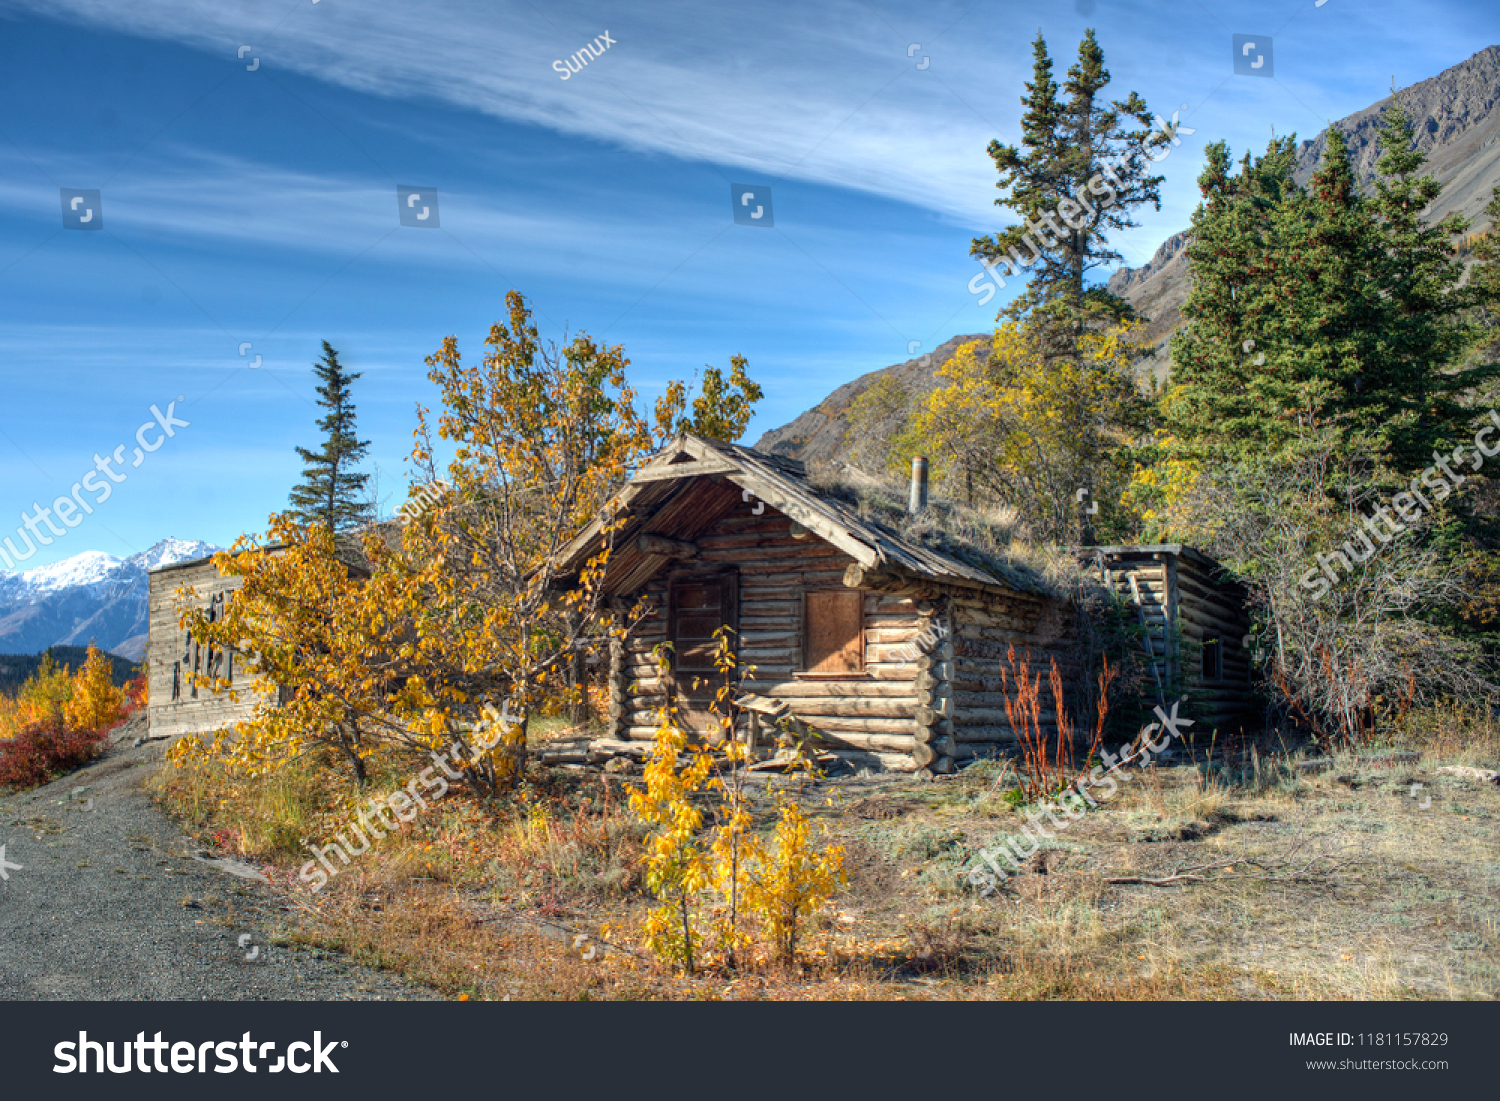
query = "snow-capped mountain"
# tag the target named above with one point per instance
(90, 597)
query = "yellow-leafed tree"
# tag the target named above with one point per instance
(95, 703)
(1042, 434)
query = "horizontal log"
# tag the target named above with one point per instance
(763, 605)
(891, 762)
(757, 584)
(779, 536)
(1228, 595)
(757, 639)
(926, 716)
(924, 756)
(639, 733)
(849, 708)
(901, 727)
(1213, 625)
(664, 546)
(880, 743)
(855, 686)
(969, 621)
(1153, 572)
(1017, 634)
(933, 733)
(765, 657)
(779, 556)
(891, 636)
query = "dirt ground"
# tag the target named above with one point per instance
(105, 898)
(1371, 876)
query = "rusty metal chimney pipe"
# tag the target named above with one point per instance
(918, 499)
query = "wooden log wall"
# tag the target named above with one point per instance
(866, 717)
(936, 750)
(171, 655)
(985, 627)
(1209, 608)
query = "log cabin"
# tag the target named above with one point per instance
(888, 645)
(1195, 627)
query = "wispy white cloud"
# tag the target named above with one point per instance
(824, 94)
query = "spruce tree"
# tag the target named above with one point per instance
(1074, 179)
(330, 492)
(1222, 386)
(1322, 307)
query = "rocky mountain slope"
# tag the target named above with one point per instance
(90, 597)
(818, 435)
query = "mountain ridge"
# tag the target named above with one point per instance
(89, 597)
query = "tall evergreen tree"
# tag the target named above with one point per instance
(1074, 179)
(1317, 306)
(330, 492)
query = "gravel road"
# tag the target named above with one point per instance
(104, 898)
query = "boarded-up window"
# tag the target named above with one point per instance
(833, 632)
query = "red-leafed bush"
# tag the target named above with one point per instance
(135, 694)
(44, 748)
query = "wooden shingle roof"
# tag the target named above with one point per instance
(692, 482)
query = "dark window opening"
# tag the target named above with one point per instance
(1213, 659)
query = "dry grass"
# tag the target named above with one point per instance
(490, 901)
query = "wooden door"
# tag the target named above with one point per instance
(698, 607)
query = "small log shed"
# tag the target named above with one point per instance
(1195, 625)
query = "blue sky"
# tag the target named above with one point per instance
(253, 199)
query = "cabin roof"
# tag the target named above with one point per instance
(1147, 550)
(350, 551)
(693, 482)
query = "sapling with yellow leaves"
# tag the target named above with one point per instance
(743, 882)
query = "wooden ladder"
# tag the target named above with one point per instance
(1155, 630)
